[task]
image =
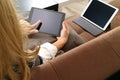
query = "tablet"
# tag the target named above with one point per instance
(51, 20)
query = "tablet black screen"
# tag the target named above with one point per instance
(51, 20)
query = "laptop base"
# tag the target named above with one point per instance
(91, 28)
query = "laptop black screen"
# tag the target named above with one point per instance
(99, 13)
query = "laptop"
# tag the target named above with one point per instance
(96, 17)
(51, 20)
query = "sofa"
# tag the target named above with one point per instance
(97, 59)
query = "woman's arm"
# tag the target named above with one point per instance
(61, 41)
(48, 51)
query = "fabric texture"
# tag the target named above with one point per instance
(47, 51)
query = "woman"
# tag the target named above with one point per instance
(14, 56)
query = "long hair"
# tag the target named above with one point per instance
(12, 54)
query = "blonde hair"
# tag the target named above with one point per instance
(11, 45)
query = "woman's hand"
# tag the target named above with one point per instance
(28, 28)
(64, 33)
(62, 40)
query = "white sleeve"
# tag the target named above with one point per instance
(47, 51)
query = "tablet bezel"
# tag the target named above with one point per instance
(55, 12)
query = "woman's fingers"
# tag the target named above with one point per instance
(35, 24)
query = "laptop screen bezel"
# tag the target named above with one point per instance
(110, 19)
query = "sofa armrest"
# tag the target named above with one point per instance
(94, 60)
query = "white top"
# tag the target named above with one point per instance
(47, 51)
